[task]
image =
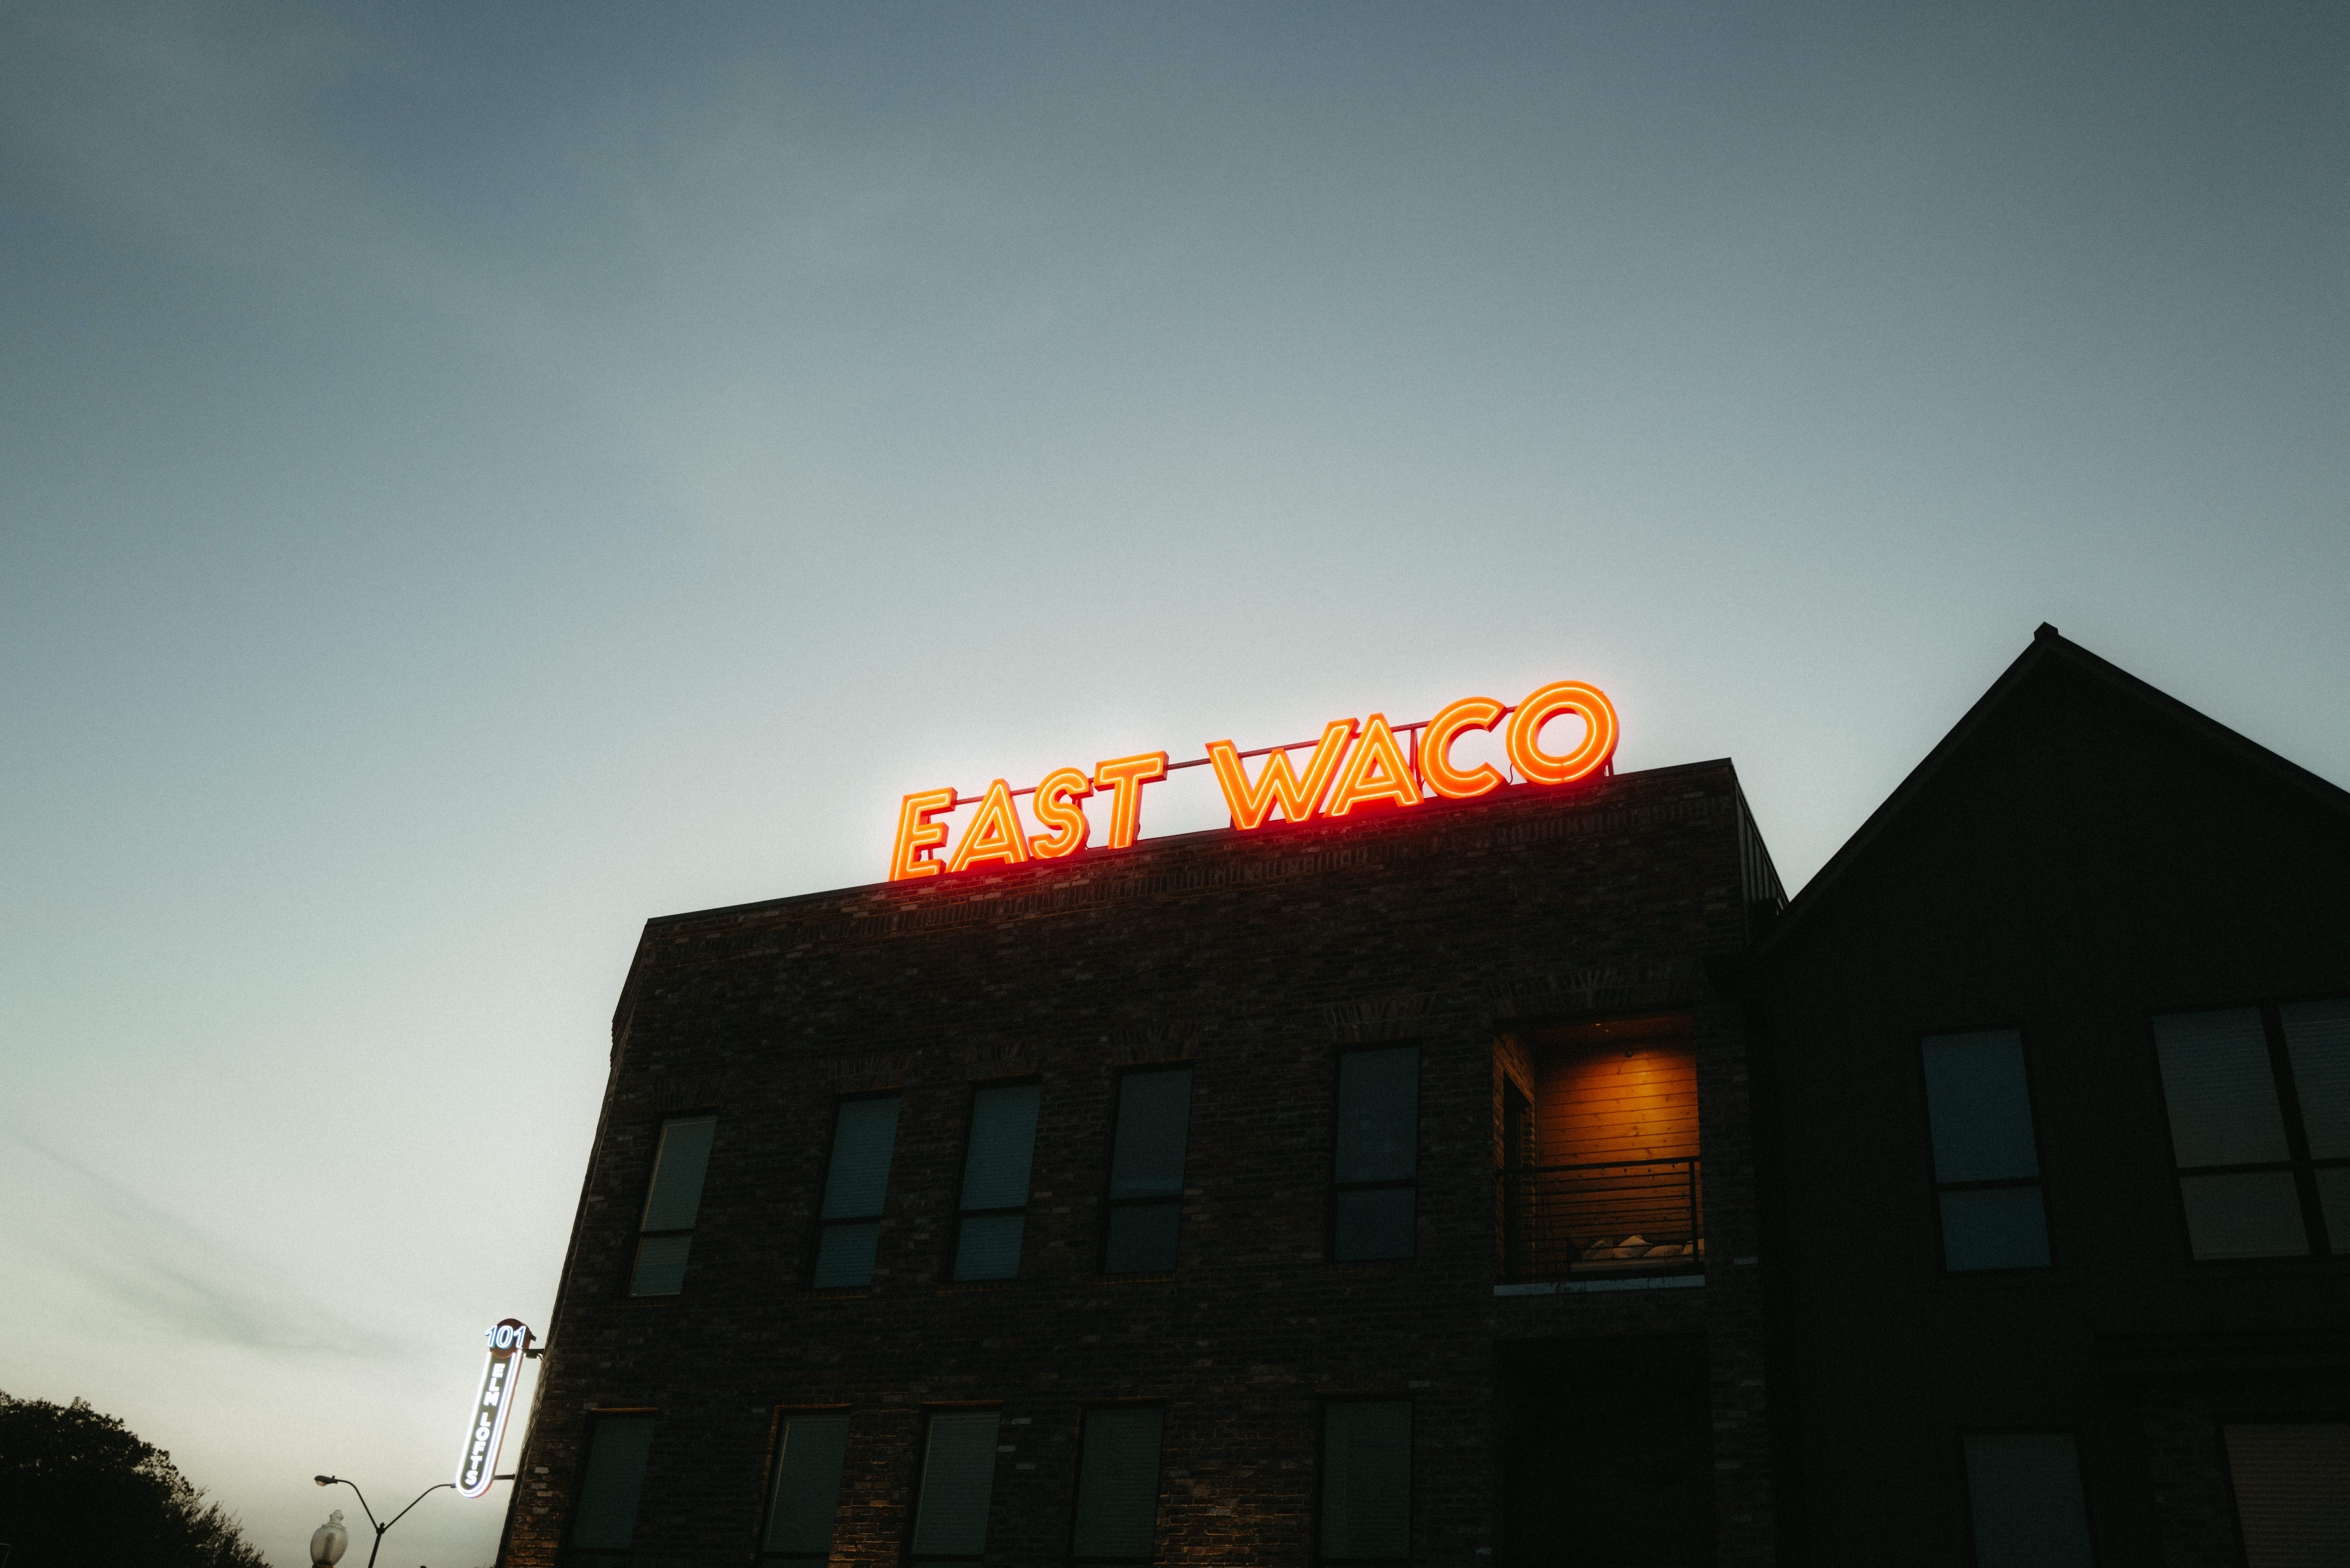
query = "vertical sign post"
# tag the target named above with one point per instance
(486, 1430)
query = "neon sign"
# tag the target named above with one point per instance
(1353, 765)
(486, 1429)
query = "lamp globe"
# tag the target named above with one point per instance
(329, 1541)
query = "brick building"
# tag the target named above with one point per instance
(1362, 1190)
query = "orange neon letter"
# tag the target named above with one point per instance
(1435, 769)
(1374, 771)
(918, 835)
(1124, 777)
(994, 832)
(1598, 735)
(1276, 784)
(1057, 805)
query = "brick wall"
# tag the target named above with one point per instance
(1256, 958)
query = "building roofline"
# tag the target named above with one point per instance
(2047, 644)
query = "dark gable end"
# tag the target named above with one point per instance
(2071, 765)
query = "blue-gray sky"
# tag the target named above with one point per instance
(472, 478)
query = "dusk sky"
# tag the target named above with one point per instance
(473, 478)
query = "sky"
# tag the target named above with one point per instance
(473, 478)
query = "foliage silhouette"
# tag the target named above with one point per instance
(80, 1487)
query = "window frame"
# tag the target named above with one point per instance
(972, 1090)
(667, 1120)
(784, 1416)
(1966, 1481)
(1111, 1203)
(569, 1555)
(2321, 1249)
(1937, 1187)
(1336, 1125)
(1077, 1485)
(1321, 1479)
(922, 1473)
(820, 1224)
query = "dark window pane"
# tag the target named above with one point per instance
(1118, 1484)
(988, 1247)
(2252, 1215)
(1374, 1224)
(1367, 1481)
(958, 1477)
(1378, 1115)
(2291, 1500)
(2221, 1088)
(1154, 1112)
(808, 1485)
(660, 1266)
(1979, 1106)
(863, 1133)
(606, 1514)
(2317, 1038)
(1995, 1228)
(1002, 1142)
(2025, 1491)
(844, 1255)
(677, 1170)
(1142, 1238)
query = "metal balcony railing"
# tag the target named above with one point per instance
(1564, 1221)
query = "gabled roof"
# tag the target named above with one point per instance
(2049, 650)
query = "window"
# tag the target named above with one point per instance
(2023, 1494)
(604, 1517)
(1365, 1480)
(2260, 1124)
(1118, 1484)
(848, 1228)
(2290, 1503)
(807, 1489)
(994, 1208)
(1374, 1202)
(958, 1477)
(667, 1229)
(1146, 1171)
(1986, 1164)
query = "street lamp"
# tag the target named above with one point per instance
(334, 1538)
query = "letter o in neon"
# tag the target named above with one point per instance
(1526, 733)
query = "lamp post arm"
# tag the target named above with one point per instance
(420, 1497)
(363, 1504)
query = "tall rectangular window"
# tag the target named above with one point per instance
(1146, 1171)
(1986, 1162)
(807, 1489)
(2023, 1492)
(2293, 1505)
(958, 1479)
(994, 1210)
(1118, 1484)
(2260, 1124)
(604, 1514)
(1375, 1175)
(1365, 1487)
(666, 1231)
(849, 1227)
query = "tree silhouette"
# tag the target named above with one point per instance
(79, 1488)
